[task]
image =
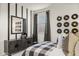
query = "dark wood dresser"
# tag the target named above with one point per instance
(14, 46)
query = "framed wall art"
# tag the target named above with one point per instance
(59, 31)
(74, 24)
(74, 30)
(66, 24)
(74, 16)
(59, 18)
(66, 17)
(66, 31)
(16, 25)
(59, 24)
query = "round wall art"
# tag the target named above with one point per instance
(59, 24)
(66, 24)
(59, 18)
(66, 17)
(74, 30)
(66, 31)
(74, 24)
(59, 31)
(74, 16)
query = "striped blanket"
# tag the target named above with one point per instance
(41, 49)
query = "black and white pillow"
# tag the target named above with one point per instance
(60, 41)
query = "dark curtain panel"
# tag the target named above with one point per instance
(35, 29)
(24, 26)
(47, 36)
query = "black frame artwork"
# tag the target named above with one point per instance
(59, 24)
(74, 30)
(74, 24)
(59, 18)
(59, 31)
(66, 24)
(16, 25)
(74, 16)
(66, 17)
(66, 31)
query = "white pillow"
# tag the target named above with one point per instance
(60, 41)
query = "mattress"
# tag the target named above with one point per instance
(46, 48)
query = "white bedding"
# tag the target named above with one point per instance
(45, 49)
(57, 52)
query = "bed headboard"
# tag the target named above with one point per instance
(77, 49)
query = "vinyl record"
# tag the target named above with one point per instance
(66, 31)
(66, 17)
(74, 16)
(59, 31)
(59, 18)
(59, 24)
(66, 24)
(74, 24)
(74, 30)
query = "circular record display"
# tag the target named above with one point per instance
(59, 31)
(66, 24)
(59, 24)
(74, 30)
(74, 16)
(66, 31)
(59, 18)
(66, 17)
(74, 24)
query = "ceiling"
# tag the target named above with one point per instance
(35, 6)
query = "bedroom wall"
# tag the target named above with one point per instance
(3, 26)
(60, 10)
(12, 12)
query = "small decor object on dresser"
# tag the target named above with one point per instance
(74, 24)
(59, 31)
(59, 24)
(74, 30)
(74, 16)
(66, 17)
(66, 31)
(59, 18)
(66, 24)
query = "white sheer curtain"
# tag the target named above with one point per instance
(41, 21)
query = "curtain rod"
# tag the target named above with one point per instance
(40, 11)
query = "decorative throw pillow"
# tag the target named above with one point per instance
(60, 41)
(65, 45)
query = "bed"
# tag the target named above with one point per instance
(64, 47)
(43, 49)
